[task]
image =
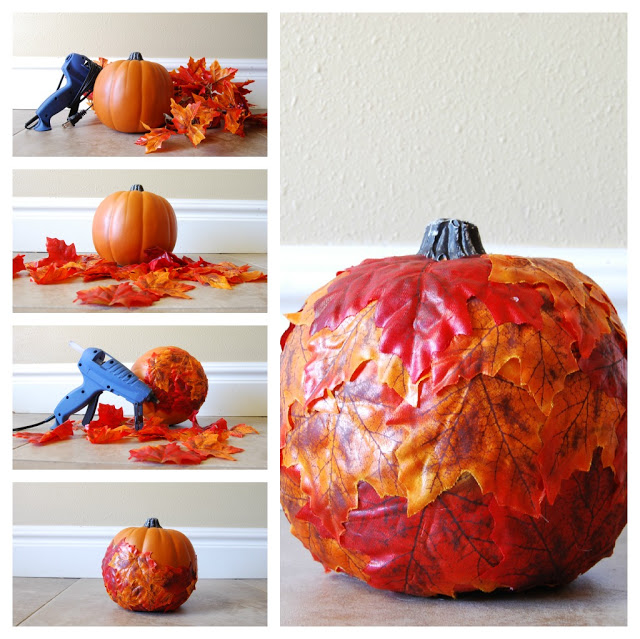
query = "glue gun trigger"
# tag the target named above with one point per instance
(91, 410)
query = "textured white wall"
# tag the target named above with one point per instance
(516, 122)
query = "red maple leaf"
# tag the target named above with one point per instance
(443, 544)
(171, 453)
(18, 264)
(417, 307)
(63, 431)
(117, 295)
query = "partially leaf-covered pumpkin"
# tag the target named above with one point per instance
(130, 93)
(127, 223)
(150, 568)
(455, 421)
(177, 380)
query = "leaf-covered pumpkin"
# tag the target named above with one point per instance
(455, 421)
(176, 378)
(127, 223)
(150, 568)
(131, 93)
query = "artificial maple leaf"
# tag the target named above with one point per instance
(607, 366)
(187, 120)
(59, 251)
(355, 443)
(337, 354)
(108, 434)
(293, 361)
(101, 269)
(214, 280)
(485, 426)
(545, 356)
(570, 289)
(158, 258)
(109, 415)
(218, 74)
(212, 444)
(131, 271)
(52, 274)
(581, 421)
(324, 548)
(171, 453)
(443, 549)
(153, 140)
(18, 265)
(417, 309)
(135, 581)
(117, 295)
(579, 529)
(240, 430)
(161, 283)
(59, 433)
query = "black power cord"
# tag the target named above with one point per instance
(44, 421)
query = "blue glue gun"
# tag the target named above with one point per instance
(80, 74)
(100, 373)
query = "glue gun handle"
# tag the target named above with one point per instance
(77, 399)
(59, 100)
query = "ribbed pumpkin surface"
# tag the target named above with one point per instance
(128, 222)
(130, 92)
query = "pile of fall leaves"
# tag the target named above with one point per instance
(164, 274)
(204, 98)
(187, 446)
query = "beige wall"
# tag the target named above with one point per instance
(192, 183)
(225, 505)
(516, 122)
(50, 344)
(155, 35)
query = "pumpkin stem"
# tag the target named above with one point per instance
(447, 239)
(135, 56)
(136, 187)
(152, 522)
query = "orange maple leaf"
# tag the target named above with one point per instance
(161, 283)
(153, 140)
(187, 120)
(486, 427)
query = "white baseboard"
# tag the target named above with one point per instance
(77, 551)
(306, 268)
(235, 388)
(204, 226)
(34, 79)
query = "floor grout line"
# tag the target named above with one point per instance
(46, 603)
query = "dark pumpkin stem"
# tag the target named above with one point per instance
(152, 522)
(136, 187)
(447, 239)
(135, 56)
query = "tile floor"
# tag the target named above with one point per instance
(250, 297)
(84, 602)
(78, 453)
(92, 138)
(309, 596)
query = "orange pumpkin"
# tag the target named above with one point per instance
(126, 223)
(455, 421)
(128, 93)
(150, 568)
(177, 380)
